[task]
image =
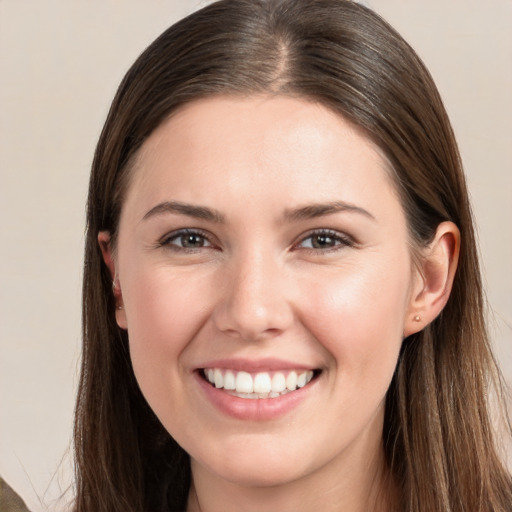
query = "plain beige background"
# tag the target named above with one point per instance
(60, 63)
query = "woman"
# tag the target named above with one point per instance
(282, 302)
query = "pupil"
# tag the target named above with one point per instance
(191, 241)
(322, 241)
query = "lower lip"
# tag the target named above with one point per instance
(256, 409)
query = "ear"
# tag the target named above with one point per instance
(107, 251)
(434, 280)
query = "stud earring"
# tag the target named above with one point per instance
(119, 308)
(417, 318)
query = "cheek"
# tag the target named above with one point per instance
(164, 310)
(358, 315)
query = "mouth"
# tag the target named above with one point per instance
(260, 385)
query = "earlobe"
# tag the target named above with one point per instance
(107, 252)
(438, 264)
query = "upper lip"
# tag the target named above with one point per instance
(256, 365)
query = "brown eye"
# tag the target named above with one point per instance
(186, 240)
(192, 241)
(325, 240)
(322, 241)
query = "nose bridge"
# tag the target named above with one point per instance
(253, 303)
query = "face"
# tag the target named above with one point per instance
(266, 278)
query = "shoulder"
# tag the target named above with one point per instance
(9, 500)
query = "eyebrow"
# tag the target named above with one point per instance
(199, 212)
(303, 213)
(318, 210)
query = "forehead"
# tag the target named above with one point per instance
(260, 146)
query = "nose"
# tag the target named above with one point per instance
(254, 299)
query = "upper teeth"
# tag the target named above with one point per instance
(262, 384)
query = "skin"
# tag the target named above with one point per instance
(258, 284)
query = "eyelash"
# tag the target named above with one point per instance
(340, 241)
(168, 239)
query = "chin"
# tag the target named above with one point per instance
(245, 475)
(256, 468)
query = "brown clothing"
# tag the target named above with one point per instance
(9, 500)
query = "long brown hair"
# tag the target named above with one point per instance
(437, 437)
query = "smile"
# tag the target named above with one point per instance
(259, 385)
